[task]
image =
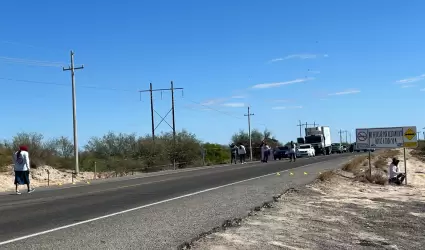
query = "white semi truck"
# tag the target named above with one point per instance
(320, 139)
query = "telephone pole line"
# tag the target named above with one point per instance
(301, 125)
(346, 135)
(72, 68)
(153, 111)
(249, 132)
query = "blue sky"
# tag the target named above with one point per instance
(345, 64)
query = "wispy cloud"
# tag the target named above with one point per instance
(238, 97)
(280, 100)
(422, 89)
(278, 84)
(346, 92)
(287, 107)
(298, 56)
(411, 79)
(408, 86)
(212, 101)
(234, 104)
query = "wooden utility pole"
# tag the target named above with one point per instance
(72, 68)
(249, 132)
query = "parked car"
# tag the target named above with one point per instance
(306, 150)
(281, 152)
(337, 148)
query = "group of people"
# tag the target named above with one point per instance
(238, 150)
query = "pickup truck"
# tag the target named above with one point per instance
(337, 148)
(306, 150)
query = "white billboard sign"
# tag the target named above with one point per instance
(395, 137)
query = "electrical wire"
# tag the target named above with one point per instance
(31, 62)
(208, 107)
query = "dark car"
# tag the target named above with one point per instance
(281, 152)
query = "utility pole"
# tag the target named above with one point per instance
(249, 132)
(350, 136)
(346, 136)
(72, 68)
(340, 135)
(174, 122)
(300, 125)
(153, 111)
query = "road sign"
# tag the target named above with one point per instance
(410, 137)
(393, 137)
(362, 139)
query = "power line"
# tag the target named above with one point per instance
(31, 62)
(64, 85)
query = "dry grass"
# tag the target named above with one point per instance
(377, 178)
(327, 176)
(381, 163)
(355, 164)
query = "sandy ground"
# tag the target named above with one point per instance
(338, 214)
(39, 177)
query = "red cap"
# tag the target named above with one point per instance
(23, 148)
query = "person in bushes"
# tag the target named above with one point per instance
(396, 176)
(21, 161)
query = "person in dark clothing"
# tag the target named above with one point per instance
(292, 152)
(234, 153)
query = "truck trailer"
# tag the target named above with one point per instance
(320, 138)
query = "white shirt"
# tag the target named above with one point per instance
(393, 170)
(241, 150)
(23, 163)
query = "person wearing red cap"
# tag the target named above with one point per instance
(21, 161)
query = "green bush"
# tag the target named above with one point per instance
(118, 152)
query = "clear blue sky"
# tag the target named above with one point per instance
(333, 62)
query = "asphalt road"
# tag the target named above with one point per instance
(36, 214)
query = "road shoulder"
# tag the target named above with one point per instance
(340, 213)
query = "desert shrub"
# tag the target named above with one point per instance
(354, 164)
(376, 178)
(119, 152)
(327, 175)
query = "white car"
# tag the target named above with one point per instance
(306, 150)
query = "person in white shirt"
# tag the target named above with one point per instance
(241, 153)
(394, 173)
(21, 163)
(265, 149)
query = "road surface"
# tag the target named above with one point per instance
(157, 212)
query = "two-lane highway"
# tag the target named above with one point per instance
(27, 215)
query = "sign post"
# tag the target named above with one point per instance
(386, 138)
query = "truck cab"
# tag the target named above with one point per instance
(320, 139)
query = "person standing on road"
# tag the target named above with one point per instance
(241, 153)
(395, 175)
(265, 149)
(262, 150)
(234, 153)
(292, 152)
(21, 163)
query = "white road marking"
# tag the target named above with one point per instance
(147, 205)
